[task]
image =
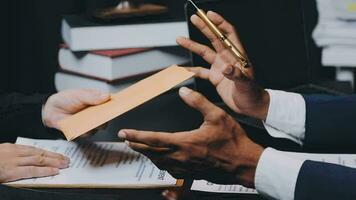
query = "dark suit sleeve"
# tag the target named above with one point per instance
(20, 115)
(330, 122)
(317, 180)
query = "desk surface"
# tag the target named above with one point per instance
(83, 194)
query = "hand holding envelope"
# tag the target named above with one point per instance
(124, 101)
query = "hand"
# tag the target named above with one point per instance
(239, 92)
(21, 162)
(219, 151)
(67, 103)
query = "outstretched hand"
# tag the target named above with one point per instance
(218, 151)
(239, 92)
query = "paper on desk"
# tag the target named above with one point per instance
(348, 160)
(123, 101)
(98, 165)
(206, 186)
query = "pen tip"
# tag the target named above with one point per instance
(192, 2)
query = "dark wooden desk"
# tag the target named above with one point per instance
(8, 193)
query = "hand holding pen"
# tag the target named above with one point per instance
(220, 32)
(237, 89)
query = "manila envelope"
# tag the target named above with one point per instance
(123, 101)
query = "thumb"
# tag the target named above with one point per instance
(237, 72)
(91, 97)
(197, 101)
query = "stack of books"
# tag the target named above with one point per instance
(336, 32)
(112, 56)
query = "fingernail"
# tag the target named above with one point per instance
(184, 91)
(64, 166)
(122, 135)
(65, 158)
(127, 142)
(65, 162)
(180, 40)
(211, 12)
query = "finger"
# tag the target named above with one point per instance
(232, 72)
(24, 150)
(222, 23)
(90, 97)
(202, 50)
(227, 28)
(154, 139)
(237, 72)
(200, 72)
(25, 172)
(240, 72)
(43, 161)
(200, 24)
(198, 101)
(148, 150)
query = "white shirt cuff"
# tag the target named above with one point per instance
(276, 174)
(280, 134)
(286, 115)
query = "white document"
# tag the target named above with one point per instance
(347, 160)
(206, 186)
(98, 165)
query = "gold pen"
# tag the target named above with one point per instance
(227, 43)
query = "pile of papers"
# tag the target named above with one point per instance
(336, 32)
(98, 165)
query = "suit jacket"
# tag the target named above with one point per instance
(330, 122)
(20, 115)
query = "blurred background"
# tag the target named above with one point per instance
(31, 37)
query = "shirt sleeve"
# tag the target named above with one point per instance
(276, 174)
(286, 116)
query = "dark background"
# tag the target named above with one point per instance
(31, 35)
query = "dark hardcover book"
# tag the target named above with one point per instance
(83, 33)
(112, 65)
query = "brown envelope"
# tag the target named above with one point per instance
(123, 101)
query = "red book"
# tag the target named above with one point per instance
(113, 52)
(119, 52)
(112, 65)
